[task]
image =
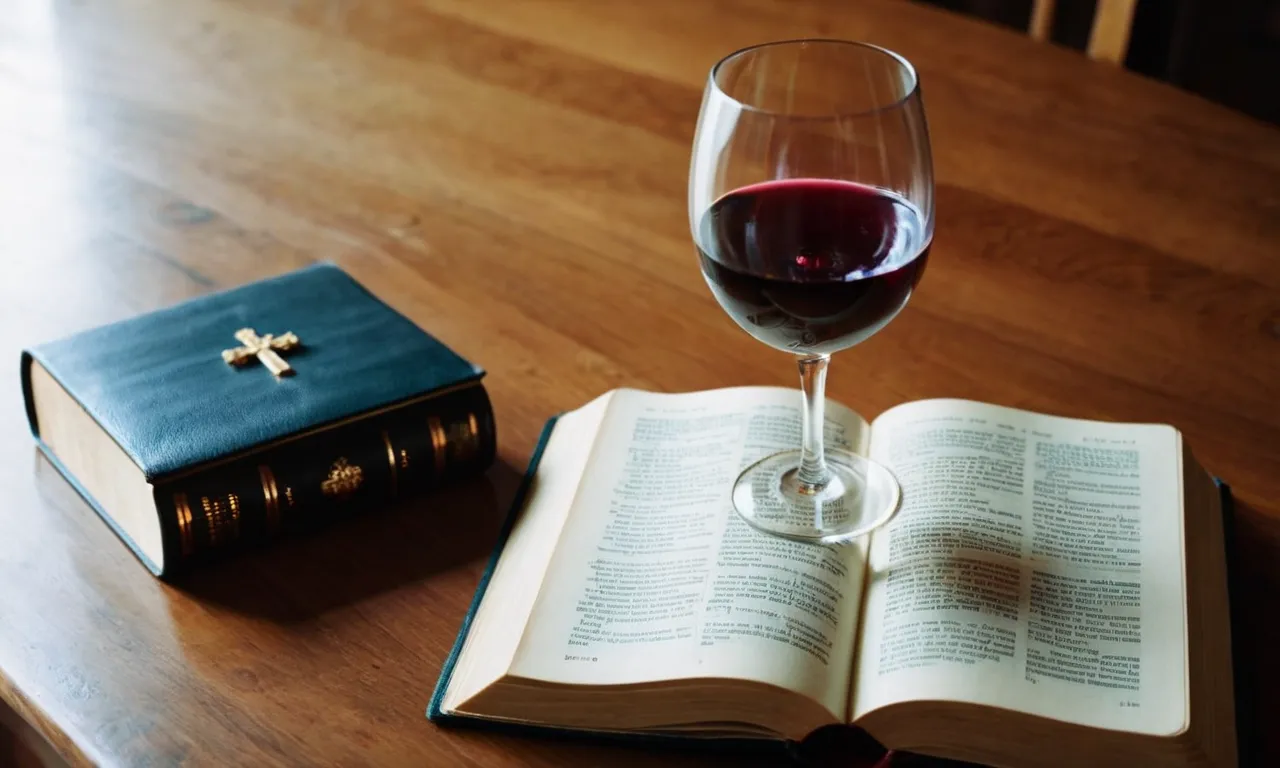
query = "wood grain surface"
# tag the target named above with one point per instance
(512, 175)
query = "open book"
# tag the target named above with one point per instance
(1052, 591)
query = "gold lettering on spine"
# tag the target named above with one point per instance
(438, 443)
(185, 537)
(391, 461)
(223, 517)
(270, 494)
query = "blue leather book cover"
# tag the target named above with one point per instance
(158, 383)
(239, 372)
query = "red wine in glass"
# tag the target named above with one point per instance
(811, 203)
(812, 266)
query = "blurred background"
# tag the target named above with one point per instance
(1225, 50)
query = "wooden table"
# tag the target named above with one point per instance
(512, 175)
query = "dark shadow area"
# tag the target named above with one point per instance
(1223, 50)
(1254, 558)
(840, 746)
(381, 550)
(550, 746)
(843, 746)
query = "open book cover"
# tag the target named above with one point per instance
(1052, 591)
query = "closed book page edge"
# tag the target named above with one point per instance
(102, 513)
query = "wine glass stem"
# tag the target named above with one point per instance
(813, 475)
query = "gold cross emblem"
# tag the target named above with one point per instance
(264, 349)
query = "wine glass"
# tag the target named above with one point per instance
(811, 205)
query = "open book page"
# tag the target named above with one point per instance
(656, 578)
(512, 591)
(1036, 565)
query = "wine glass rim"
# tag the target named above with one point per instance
(902, 61)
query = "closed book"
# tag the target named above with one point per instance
(229, 420)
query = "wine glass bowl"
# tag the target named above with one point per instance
(811, 207)
(811, 266)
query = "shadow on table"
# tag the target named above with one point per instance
(298, 578)
(1256, 632)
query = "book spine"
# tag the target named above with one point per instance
(319, 479)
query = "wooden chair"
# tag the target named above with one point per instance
(1109, 35)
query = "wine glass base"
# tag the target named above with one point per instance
(860, 497)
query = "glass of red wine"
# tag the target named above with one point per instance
(811, 205)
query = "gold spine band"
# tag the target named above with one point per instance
(270, 495)
(465, 439)
(186, 538)
(438, 444)
(391, 462)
